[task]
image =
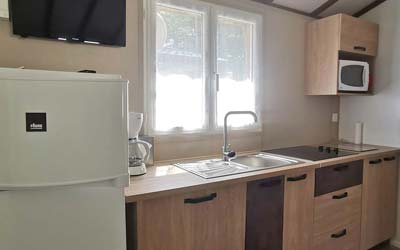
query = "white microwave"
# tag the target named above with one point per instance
(353, 76)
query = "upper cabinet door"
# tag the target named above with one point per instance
(4, 9)
(358, 36)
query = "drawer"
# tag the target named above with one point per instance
(343, 238)
(333, 178)
(337, 209)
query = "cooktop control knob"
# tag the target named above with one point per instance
(328, 149)
(321, 148)
(336, 150)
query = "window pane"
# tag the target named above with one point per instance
(180, 84)
(235, 67)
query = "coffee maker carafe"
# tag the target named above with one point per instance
(139, 151)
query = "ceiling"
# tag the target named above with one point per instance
(324, 8)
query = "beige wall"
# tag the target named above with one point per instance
(53, 55)
(289, 118)
(380, 113)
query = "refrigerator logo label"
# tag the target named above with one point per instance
(36, 122)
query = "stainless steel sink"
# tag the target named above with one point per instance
(217, 168)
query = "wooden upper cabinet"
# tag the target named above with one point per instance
(331, 39)
(358, 36)
(209, 219)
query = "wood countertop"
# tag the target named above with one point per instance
(166, 179)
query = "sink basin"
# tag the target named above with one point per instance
(217, 168)
(264, 161)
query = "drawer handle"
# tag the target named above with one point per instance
(201, 199)
(341, 168)
(270, 183)
(390, 158)
(339, 197)
(360, 48)
(297, 178)
(375, 162)
(339, 235)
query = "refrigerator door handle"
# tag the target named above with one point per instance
(121, 181)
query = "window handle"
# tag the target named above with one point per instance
(217, 81)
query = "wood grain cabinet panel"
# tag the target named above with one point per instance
(322, 56)
(358, 36)
(341, 238)
(212, 219)
(327, 40)
(379, 200)
(337, 209)
(298, 211)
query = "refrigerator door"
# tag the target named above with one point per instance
(62, 132)
(78, 218)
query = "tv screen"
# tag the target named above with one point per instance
(88, 21)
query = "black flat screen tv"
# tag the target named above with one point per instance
(85, 21)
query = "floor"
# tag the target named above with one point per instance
(385, 247)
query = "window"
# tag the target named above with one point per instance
(4, 9)
(201, 63)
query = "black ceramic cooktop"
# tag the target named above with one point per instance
(311, 153)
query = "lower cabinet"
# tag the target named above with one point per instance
(348, 206)
(298, 211)
(379, 200)
(337, 217)
(210, 219)
(264, 214)
(280, 212)
(337, 207)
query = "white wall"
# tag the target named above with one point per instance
(381, 112)
(289, 117)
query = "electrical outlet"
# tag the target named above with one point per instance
(335, 117)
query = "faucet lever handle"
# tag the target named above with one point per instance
(231, 154)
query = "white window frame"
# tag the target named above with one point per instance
(4, 9)
(210, 40)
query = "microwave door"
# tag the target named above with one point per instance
(354, 77)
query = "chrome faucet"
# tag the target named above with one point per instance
(226, 149)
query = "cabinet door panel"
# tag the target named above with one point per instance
(379, 201)
(210, 219)
(389, 196)
(298, 211)
(370, 220)
(218, 224)
(358, 36)
(264, 214)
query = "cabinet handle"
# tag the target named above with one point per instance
(360, 48)
(389, 158)
(341, 168)
(339, 197)
(297, 178)
(271, 183)
(339, 235)
(201, 199)
(375, 162)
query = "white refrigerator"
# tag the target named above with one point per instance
(63, 160)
